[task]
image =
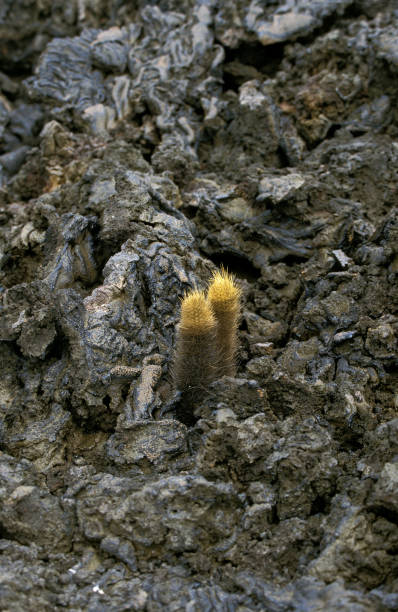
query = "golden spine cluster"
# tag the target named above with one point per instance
(207, 334)
(224, 298)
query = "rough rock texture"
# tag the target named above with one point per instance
(141, 146)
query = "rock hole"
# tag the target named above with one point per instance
(242, 63)
(332, 131)
(125, 392)
(5, 534)
(283, 158)
(239, 265)
(319, 505)
(275, 520)
(386, 513)
(183, 405)
(290, 259)
(58, 347)
(103, 420)
(351, 443)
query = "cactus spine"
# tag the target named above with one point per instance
(207, 335)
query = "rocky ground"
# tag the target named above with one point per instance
(143, 145)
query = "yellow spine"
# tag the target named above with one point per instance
(206, 341)
(224, 298)
(194, 367)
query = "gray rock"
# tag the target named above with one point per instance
(142, 147)
(29, 513)
(146, 518)
(12, 161)
(147, 442)
(29, 318)
(278, 189)
(64, 73)
(109, 51)
(385, 494)
(386, 44)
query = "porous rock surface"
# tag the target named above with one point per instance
(143, 144)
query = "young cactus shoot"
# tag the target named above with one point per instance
(207, 334)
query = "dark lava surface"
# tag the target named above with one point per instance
(143, 145)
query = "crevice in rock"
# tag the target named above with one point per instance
(387, 513)
(239, 265)
(250, 61)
